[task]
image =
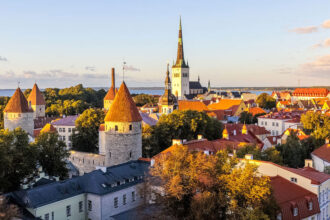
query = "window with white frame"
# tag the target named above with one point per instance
(115, 202)
(90, 205)
(68, 210)
(47, 216)
(133, 196)
(81, 206)
(295, 211)
(124, 199)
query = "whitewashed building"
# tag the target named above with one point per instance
(321, 157)
(65, 128)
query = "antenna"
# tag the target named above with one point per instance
(124, 63)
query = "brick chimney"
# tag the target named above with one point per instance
(113, 78)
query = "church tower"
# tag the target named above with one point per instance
(37, 102)
(18, 114)
(180, 71)
(110, 96)
(121, 140)
(167, 102)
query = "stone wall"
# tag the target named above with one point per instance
(38, 111)
(23, 120)
(86, 162)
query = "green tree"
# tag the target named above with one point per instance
(85, 137)
(52, 154)
(18, 159)
(180, 125)
(316, 124)
(143, 99)
(3, 102)
(246, 118)
(266, 101)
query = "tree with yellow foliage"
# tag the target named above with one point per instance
(199, 186)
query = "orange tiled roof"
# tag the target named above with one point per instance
(123, 108)
(256, 110)
(17, 103)
(192, 105)
(36, 97)
(289, 195)
(285, 102)
(312, 92)
(323, 152)
(224, 104)
(110, 94)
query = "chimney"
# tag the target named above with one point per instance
(308, 163)
(113, 78)
(200, 137)
(248, 156)
(176, 142)
(327, 140)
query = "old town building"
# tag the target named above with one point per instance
(167, 102)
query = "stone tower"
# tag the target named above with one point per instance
(121, 140)
(37, 102)
(180, 71)
(167, 102)
(18, 114)
(110, 96)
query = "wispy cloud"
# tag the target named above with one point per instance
(320, 67)
(131, 68)
(305, 30)
(90, 68)
(326, 24)
(4, 59)
(325, 43)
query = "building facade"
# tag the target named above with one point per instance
(65, 128)
(37, 102)
(167, 102)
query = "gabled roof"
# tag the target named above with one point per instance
(17, 103)
(192, 105)
(315, 176)
(36, 97)
(289, 195)
(123, 108)
(224, 104)
(323, 152)
(48, 128)
(110, 94)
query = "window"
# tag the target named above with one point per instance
(310, 205)
(130, 154)
(273, 124)
(262, 123)
(80, 206)
(63, 137)
(124, 199)
(265, 122)
(69, 129)
(130, 127)
(53, 216)
(279, 216)
(47, 216)
(60, 129)
(63, 129)
(115, 202)
(293, 179)
(276, 124)
(133, 196)
(116, 127)
(68, 210)
(295, 211)
(90, 207)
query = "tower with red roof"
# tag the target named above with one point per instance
(37, 102)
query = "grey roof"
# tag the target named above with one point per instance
(96, 182)
(67, 121)
(195, 85)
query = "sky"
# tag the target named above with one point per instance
(231, 43)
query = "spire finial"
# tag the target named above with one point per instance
(180, 27)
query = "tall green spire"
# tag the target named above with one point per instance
(180, 56)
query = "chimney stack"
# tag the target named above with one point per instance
(200, 137)
(113, 78)
(308, 163)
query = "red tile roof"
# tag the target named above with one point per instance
(36, 97)
(256, 110)
(123, 108)
(323, 152)
(273, 139)
(224, 104)
(311, 92)
(315, 176)
(289, 195)
(192, 105)
(110, 94)
(102, 127)
(17, 103)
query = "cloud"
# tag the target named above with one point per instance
(320, 67)
(326, 24)
(305, 30)
(325, 43)
(90, 68)
(4, 59)
(131, 68)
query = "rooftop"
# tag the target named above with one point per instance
(17, 103)
(36, 97)
(67, 121)
(323, 152)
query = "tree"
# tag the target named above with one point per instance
(316, 124)
(3, 103)
(180, 125)
(8, 212)
(266, 101)
(270, 154)
(246, 118)
(18, 159)
(198, 186)
(52, 154)
(85, 137)
(142, 99)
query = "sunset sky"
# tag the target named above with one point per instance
(232, 43)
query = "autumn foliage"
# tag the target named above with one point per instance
(200, 186)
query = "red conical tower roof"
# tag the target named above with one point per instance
(36, 97)
(123, 108)
(112, 91)
(17, 103)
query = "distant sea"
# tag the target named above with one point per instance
(150, 91)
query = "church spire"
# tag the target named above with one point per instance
(180, 56)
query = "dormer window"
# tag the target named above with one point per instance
(279, 216)
(295, 211)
